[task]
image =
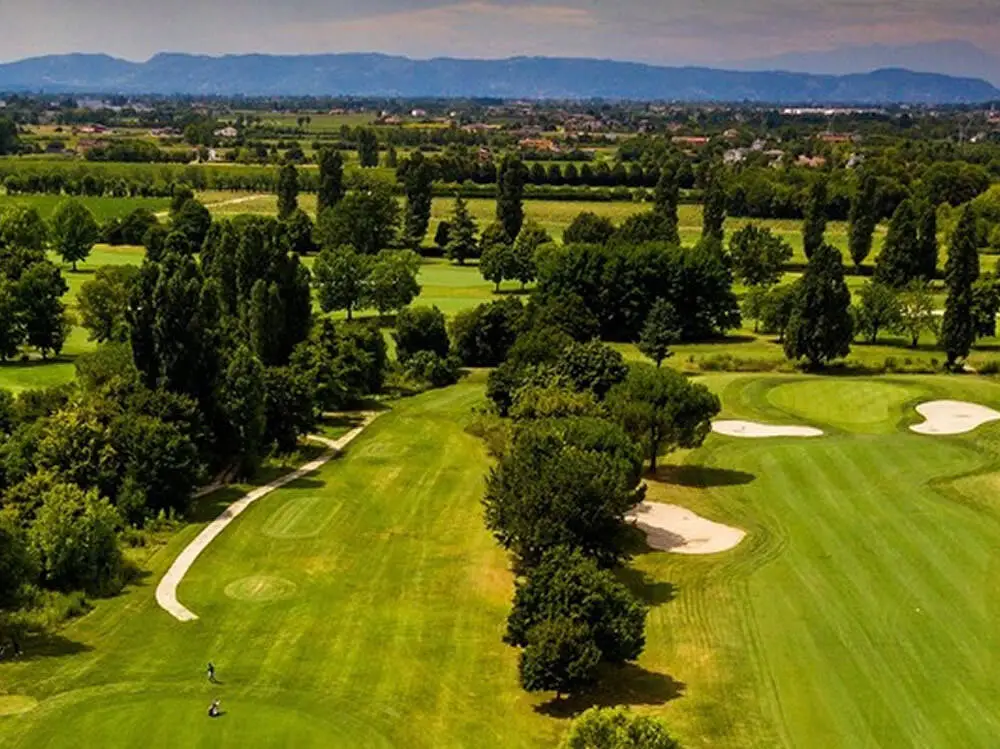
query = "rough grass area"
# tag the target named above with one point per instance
(103, 208)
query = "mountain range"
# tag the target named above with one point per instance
(377, 75)
(954, 57)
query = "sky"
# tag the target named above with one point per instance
(660, 31)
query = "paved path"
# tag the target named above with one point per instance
(166, 591)
(216, 204)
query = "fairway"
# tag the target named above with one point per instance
(363, 606)
(358, 607)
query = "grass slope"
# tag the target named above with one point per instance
(359, 607)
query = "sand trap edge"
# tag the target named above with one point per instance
(756, 430)
(947, 417)
(680, 531)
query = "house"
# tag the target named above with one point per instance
(89, 129)
(690, 140)
(227, 132)
(812, 162)
(829, 137)
(734, 156)
(418, 113)
(538, 144)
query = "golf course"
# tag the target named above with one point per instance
(363, 605)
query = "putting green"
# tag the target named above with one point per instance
(855, 405)
(859, 611)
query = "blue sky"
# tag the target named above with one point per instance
(668, 31)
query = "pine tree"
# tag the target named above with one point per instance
(288, 191)
(898, 263)
(960, 273)
(714, 217)
(814, 222)
(927, 249)
(331, 179)
(862, 220)
(461, 233)
(820, 327)
(665, 200)
(510, 195)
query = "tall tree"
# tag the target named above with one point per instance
(927, 247)
(510, 195)
(9, 141)
(523, 267)
(899, 261)
(862, 219)
(43, 313)
(331, 179)
(814, 223)
(461, 243)
(589, 228)
(367, 147)
(288, 191)
(661, 331)
(917, 311)
(342, 279)
(662, 410)
(665, 204)
(960, 273)
(393, 281)
(417, 176)
(103, 302)
(758, 255)
(11, 320)
(820, 327)
(244, 395)
(74, 231)
(878, 309)
(367, 219)
(714, 215)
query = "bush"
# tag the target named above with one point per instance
(428, 368)
(421, 329)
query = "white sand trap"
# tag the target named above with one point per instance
(677, 529)
(756, 430)
(952, 417)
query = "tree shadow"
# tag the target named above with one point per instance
(647, 588)
(619, 685)
(38, 645)
(701, 477)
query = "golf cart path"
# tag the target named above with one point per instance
(219, 203)
(166, 591)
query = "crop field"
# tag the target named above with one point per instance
(363, 606)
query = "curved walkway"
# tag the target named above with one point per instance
(166, 591)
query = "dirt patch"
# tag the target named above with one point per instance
(755, 430)
(677, 529)
(261, 588)
(952, 417)
(15, 704)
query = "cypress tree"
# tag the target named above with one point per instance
(898, 263)
(510, 195)
(862, 220)
(461, 233)
(927, 249)
(417, 176)
(820, 327)
(814, 224)
(714, 217)
(665, 199)
(331, 179)
(288, 191)
(960, 273)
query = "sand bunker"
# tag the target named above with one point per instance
(952, 417)
(677, 529)
(756, 430)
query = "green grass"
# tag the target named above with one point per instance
(363, 606)
(103, 208)
(388, 634)
(859, 611)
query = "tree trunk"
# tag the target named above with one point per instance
(350, 312)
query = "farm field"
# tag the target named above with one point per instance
(103, 208)
(363, 606)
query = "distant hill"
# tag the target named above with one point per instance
(521, 77)
(958, 58)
